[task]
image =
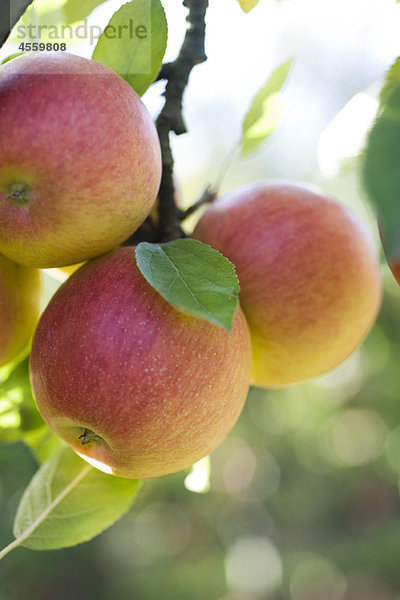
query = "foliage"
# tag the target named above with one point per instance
(313, 469)
(69, 502)
(137, 58)
(263, 115)
(247, 5)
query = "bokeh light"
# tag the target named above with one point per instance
(253, 564)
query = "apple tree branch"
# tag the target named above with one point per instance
(170, 119)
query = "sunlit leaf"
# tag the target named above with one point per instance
(247, 5)
(381, 173)
(71, 11)
(392, 80)
(134, 42)
(18, 412)
(69, 502)
(6, 60)
(43, 443)
(263, 115)
(77, 10)
(193, 277)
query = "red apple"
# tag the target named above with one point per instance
(20, 295)
(134, 386)
(309, 277)
(80, 160)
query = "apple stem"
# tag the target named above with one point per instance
(88, 436)
(19, 193)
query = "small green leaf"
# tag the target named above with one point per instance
(6, 60)
(247, 5)
(69, 502)
(193, 277)
(381, 173)
(263, 115)
(133, 43)
(392, 80)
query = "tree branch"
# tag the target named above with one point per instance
(208, 196)
(170, 118)
(10, 12)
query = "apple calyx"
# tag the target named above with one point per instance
(88, 436)
(19, 193)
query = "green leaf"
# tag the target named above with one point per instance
(247, 5)
(263, 115)
(71, 11)
(8, 58)
(18, 412)
(77, 10)
(392, 80)
(69, 502)
(381, 172)
(43, 443)
(137, 52)
(193, 277)
(258, 122)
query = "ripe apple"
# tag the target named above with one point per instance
(134, 386)
(20, 295)
(80, 160)
(309, 277)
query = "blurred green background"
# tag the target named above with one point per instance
(303, 501)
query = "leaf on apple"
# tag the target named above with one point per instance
(136, 52)
(193, 277)
(69, 502)
(247, 5)
(381, 173)
(264, 113)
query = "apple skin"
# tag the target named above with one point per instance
(80, 160)
(309, 276)
(20, 300)
(159, 388)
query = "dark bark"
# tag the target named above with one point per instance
(170, 118)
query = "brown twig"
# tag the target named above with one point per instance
(208, 196)
(170, 118)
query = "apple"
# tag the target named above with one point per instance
(80, 160)
(136, 387)
(20, 298)
(309, 276)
